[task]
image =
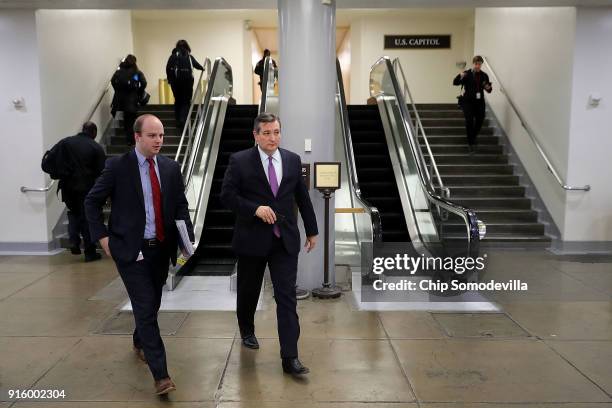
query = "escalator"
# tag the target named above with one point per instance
(375, 170)
(397, 185)
(214, 255)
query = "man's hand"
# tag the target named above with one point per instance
(266, 214)
(488, 87)
(311, 242)
(104, 245)
(463, 74)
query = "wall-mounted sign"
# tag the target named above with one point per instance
(327, 175)
(417, 41)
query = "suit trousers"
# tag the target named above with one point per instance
(128, 127)
(144, 281)
(474, 113)
(283, 271)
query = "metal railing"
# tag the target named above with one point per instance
(386, 92)
(418, 128)
(353, 179)
(191, 123)
(532, 136)
(99, 136)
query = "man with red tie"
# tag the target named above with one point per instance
(262, 186)
(147, 195)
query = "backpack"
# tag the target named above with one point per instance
(54, 162)
(183, 68)
(126, 80)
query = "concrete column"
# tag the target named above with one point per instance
(307, 82)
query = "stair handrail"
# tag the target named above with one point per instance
(419, 127)
(532, 136)
(191, 125)
(269, 72)
(88, 118)
(350, 159)
(475, 228)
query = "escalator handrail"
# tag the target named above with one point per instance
(419, 125)
(191, 125)
(267, 68)
(206, 106)
(468, 216)
(350, 157)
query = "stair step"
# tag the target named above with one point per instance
(451, 180)
(457, 139)
(478, 158)
(477, 203)
(463, 149)
(522, 228)
(487, 191)
(476, 169)
(499, 215)
(456, 130)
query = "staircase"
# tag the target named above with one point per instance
(375, 171)
(485, 181)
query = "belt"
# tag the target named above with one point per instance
(151, 243)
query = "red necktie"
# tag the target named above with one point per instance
(157, 201)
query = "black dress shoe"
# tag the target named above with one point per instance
(294, 366)
(75, 250)
(250, 342)
(92, 257)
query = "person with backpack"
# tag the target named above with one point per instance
(475, 83)
(129, 84)
(259, 68)
(179, 72)
(77, 161)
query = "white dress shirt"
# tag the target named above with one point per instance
(277, 162)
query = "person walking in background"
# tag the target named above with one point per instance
(147, 195)
(262, 186)
(77, 161)
(129, 84)
(179, 72)
(259, 67)
(474, 83)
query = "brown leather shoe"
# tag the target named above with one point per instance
(164, 386)
(140, 354)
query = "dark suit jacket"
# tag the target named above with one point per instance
(245, 187)
(120, 180)
(470, 85)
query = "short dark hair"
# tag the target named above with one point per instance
(477, 58)
(266, 52)
(140, 121)
(265, 117)
(90, 129)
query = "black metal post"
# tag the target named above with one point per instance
(327, 291)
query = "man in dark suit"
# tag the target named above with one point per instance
(262, 186)
(147, 196)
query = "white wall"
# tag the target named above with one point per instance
(78, 51)
(344, 57)
(429, 71)
(155, 37)
(531, 50)
(23, 216)
(588, 216)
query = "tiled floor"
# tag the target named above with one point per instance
(548, 349)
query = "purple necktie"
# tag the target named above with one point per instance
(274, 186)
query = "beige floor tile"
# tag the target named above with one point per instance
(592, 358)
(493, 371)
(51, 317)
(595, 275)
(522, 405)
(131, 404)
(13, 282)
(27, 263)
(105, 369)
(74, 284)
(23, 360)
(324, 320)
(566, 321)
(479, 325)
(268, 404)
(209, 325)
(411, 325)
(341, 370)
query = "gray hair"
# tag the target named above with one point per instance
(265, 117)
